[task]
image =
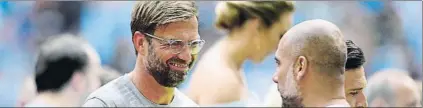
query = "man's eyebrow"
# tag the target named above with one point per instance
(176, 39)
(357, 89)
(277, 60)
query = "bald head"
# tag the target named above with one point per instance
(320, 42)
(311, 58)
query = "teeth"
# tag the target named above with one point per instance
(178, 65)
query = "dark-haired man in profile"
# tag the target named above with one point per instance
(66, 72)
(355, 78)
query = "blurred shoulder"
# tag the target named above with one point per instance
(108, 94)
(184, 100)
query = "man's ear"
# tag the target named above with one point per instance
(138, 40)
(300, 68)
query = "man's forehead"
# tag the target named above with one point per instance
(278, 53)
(186, 34)
(282, 44)
(360, 82)
(179, 29)
(356, 86)
(356, 80)
(288, 36)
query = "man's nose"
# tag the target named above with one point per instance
(275, 77)
(361, 100)
(185, 54)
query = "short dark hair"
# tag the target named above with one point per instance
(355, 57)
(58, 59)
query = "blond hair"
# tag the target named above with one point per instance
(233, 14)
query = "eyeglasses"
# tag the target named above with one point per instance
(176, 46)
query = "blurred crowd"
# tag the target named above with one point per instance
(388, 32)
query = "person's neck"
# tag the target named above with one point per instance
(149, 87)
(317, 95)
(59, 99)
(233, 51)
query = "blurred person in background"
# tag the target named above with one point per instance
(124, 57)
(398, 39)
(419, 85)
(66, 70)
(52, 17)
(392, 88)
(166, 41)
(27, 92)
(254, 29)
(105, 25)
(311, 59)
(108, 75)
(355, 80)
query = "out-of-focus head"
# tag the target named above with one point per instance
(166, 38)
(27, 92)
(67, 63)
(392, 88)
(259, 24)
(310, 54)
(355, 79)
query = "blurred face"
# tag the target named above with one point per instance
(407, 95)
(284, 77)
(379, 102)
(269, 38)
(404, 94)
(355, 82)
(168, 66)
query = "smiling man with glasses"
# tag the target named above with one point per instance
(166, 41)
